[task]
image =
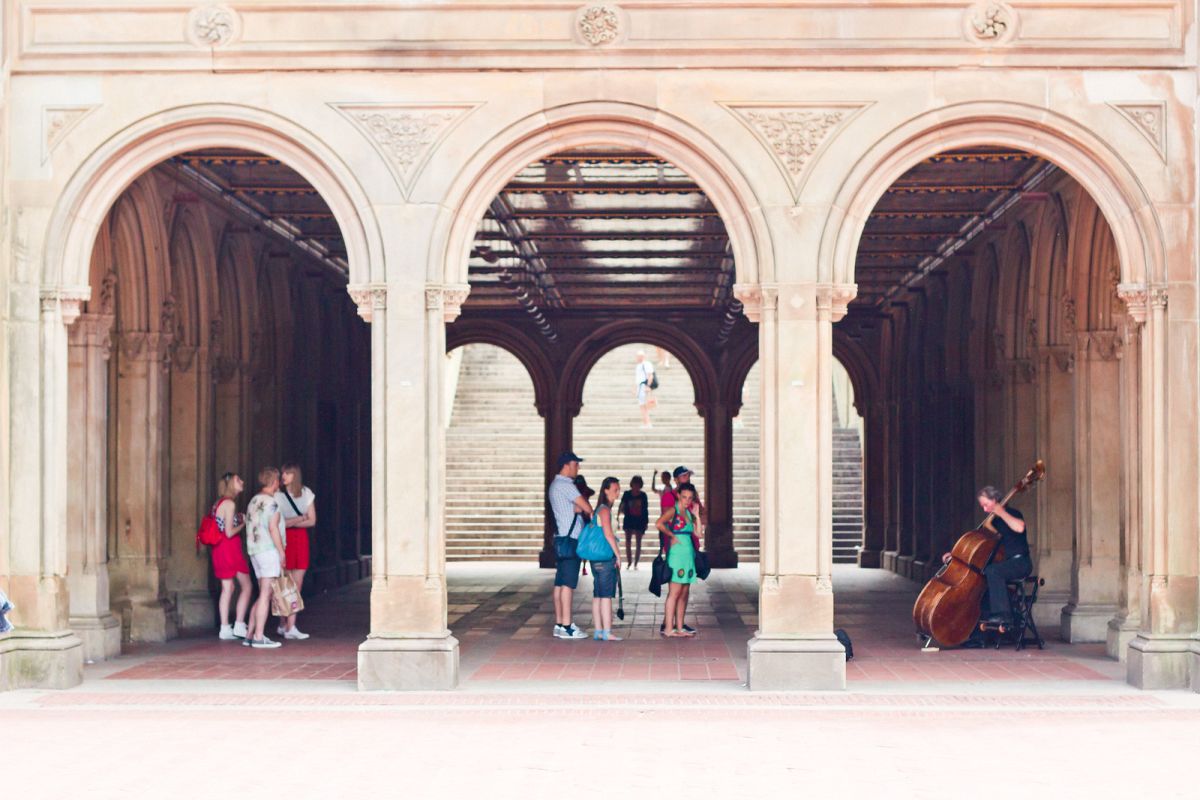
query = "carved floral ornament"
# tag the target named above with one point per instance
(449, 299)
(598, 25)
(369, 297)
(834, 299)
(213, 26)
(990, 22)
(405, 135)
(1140, 299)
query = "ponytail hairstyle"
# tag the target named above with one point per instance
(292, 466)
(602, 500)
(225, 485)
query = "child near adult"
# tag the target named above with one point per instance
(681, 528)
(298, 505)
(604, 573)
(266, 540)
(635, 516)
(228, 561)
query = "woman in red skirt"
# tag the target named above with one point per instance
(228, 560)
(298, 505)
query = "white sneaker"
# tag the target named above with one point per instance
(573, 632)
(560, 632)
(226, 633)
(282, 629)
(295, 633)
(265, 644)
(239, 630)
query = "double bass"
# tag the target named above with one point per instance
(947, 609)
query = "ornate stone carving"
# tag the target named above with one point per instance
(1068, 313)
(184, 357)
(453, 297)
(66, 300)
(1063, 357)
(1151, 121)
(93, 330)
(834, 299)
(991, 22)
(404, 135)
(794, 134)
(57, 122)
(598, 25)
(999, 344)
(213, 26)
(1031, 335)
(1104, 345)
(755, 297)
(1140, 299)
(368, 297)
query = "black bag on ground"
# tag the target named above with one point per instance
(844, 638)
(702, 567)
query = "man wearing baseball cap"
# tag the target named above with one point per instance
(570, 511)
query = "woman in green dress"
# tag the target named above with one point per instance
(680, 526)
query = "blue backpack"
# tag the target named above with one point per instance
(592, 545)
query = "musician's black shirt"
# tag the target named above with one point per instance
(1014, 544)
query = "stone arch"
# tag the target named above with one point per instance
(616, 124)
(738, 370)
(517, 344)
(100, 180)
(661, 334)
(1090, 161)
(864, 379)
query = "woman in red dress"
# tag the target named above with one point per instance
(228, 560)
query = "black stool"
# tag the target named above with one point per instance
(1022, 594)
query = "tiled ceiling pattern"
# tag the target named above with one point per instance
(266, 189)
(601, 229)
(934, 209)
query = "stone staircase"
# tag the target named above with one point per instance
(494, 477)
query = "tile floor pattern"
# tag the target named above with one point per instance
(502, 616)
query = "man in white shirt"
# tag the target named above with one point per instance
(643, 377)
(570, 513)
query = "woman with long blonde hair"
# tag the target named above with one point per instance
(228, 560)
(298, 505)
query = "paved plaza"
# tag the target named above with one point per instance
(535, 715)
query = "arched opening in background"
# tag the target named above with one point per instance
(988, 333)
(219, 338)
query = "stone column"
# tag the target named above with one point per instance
(1093, 599)
(1159, 656)
(718, 485)
(1056, 495)
(138, 562)
(410, 646)
(875, 483)
(794, 647)
(87, 475)
(1125, 622)
(559, 419)
(42, 652)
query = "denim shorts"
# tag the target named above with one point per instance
(566, 573)
(604, 578)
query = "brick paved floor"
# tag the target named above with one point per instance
(502, 617)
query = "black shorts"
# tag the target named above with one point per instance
(640, 531)
(566, 573)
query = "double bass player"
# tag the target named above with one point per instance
(1009, 523)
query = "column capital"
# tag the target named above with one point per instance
(368, 297)
(68, 300)
(92, 330)
(1140, 298)
(446, 298)
(756, 297)
(833, 299)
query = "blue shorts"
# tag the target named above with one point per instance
(604, 578)
(566, 573)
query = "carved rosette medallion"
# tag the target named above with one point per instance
(405, 135)
(213, 26)
(794, 134)
(990, 23)
(598, 25)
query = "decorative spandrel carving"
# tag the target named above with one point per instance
(404, 135)
(1151, 121)
(990, 22)
(213, 26)
(795, 134)
(598, 25)
(57, 122)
